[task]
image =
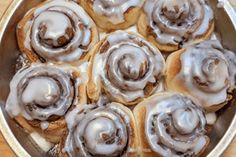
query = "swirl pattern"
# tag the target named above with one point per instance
(176, 22)
(58, 31)
(128, 66)
(205, 72)
(231, 58)
(175, 126)
(40, 92)
(115, 9)
(98, 131)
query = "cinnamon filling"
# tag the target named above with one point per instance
(131, 69)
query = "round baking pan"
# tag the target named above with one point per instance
(221, 134)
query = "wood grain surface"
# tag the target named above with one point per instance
(5, 150)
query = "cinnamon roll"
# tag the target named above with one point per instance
(171, 24)
(231, 58)
(41, 94)
(104, 131)
(56, 31)
(125, 67)
(202, 71)
(171, 124)
(112, 15)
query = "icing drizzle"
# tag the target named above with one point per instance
(231, 57)
(39, 92)
(175, 125)
(205, 72)
(178, 21)
(98, 131)
(128, 66)
(60, 31)
(115, 9)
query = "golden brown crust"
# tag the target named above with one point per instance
(93, 90)
(52, 134)
(95, 87)
(216, 107)
(130, 17)
(56, 128)
(23, 34)
(173, 67)
(134, 141)
(146, 31)
(140, 116)
(57, 125)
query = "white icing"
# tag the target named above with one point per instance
(83, 68)
(98, 62)
(174, 123)
(231, 57)
(102, 35)
(160, 88)
(40, 90)
(208, 16)
(86, 39)
(132, 29)
(186, 122)
(96, 126)
(72, 118)
(211, 118)
(64, 20)
(131, 66)
(172, 26)
(204, 64)
(114, 9)
(71, 5)
(41, 141)
(41, 84)
(220, 4)
(198, 147)
(71, 56)
(100, 126)
(56, 24)
(27, 35)
(44, 125)
(213, 36)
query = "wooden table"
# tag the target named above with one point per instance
(5, 150)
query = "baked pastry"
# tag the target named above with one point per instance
(171, 124)
(56, 31)
(171, 24)
(111, 15)
(231, 58)
(41, 94)
(126, 68)
(202, 71)
(93, 130)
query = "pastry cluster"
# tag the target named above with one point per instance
(121, 94)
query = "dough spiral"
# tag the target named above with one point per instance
(112, 15)
(203, 72)
(170, 24)
(173, 125)
(126, 67)
(56, 31)
(40, 96)
(101, 131)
